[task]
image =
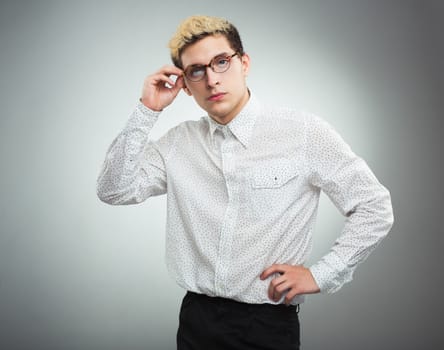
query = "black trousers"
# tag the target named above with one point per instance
(213, 323)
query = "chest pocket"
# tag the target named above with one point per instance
(273, 175)
(273, 189)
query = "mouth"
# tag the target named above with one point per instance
(217, 97)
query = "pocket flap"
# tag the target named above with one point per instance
(273, 175)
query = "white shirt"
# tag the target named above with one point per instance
(244, 196)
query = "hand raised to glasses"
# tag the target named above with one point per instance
(156, 95)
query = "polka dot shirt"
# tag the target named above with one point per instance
(244, 196)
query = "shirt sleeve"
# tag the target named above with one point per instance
(356, 192)
(134, 166)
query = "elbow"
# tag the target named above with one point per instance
(115, 199)
(126, 193)
(118, 197)
(108, 194)
(377, 213)
(386, 212)
(105, 196)
(390, 217)
(114, 193)
(104, 189)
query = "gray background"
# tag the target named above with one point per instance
(78, 274)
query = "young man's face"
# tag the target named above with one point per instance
(221, 95)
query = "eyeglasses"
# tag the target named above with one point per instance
(218, 64)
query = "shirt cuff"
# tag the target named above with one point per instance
(330, 273)
(142, 117)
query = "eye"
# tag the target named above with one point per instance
(196, 71)
(221, 61)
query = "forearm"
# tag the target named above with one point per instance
(122, 178)
(365, 227)
(359, 196)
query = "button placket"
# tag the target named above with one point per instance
(227, 229)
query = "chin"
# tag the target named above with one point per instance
(218, 111)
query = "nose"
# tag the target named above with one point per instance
(212, 78)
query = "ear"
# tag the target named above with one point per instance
(185, 87)
(187, 91)
(245, 63)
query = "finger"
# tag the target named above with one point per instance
(280, 290)
(275, 268)
(290, 295)
(180, 83)
(274, 285)
(283, 287)
(277, 293)
(170, 70)
(162, 80)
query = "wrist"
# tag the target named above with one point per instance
(146, 110)
(149, 107)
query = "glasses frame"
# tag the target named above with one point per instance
(209, 65)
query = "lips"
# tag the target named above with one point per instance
(216, 97)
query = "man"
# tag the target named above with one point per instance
(242, 187)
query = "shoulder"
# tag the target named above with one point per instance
(297, 123)
(185, 134)
(302, 119)
(189, 127)
(193, 128)
(288, 117)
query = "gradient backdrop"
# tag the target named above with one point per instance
(76, 274)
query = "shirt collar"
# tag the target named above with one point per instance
(242, 125)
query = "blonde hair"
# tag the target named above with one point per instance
(195, 28)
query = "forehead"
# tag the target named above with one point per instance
(202, 51)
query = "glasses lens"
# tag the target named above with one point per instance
(220, 63)
(195, 73)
